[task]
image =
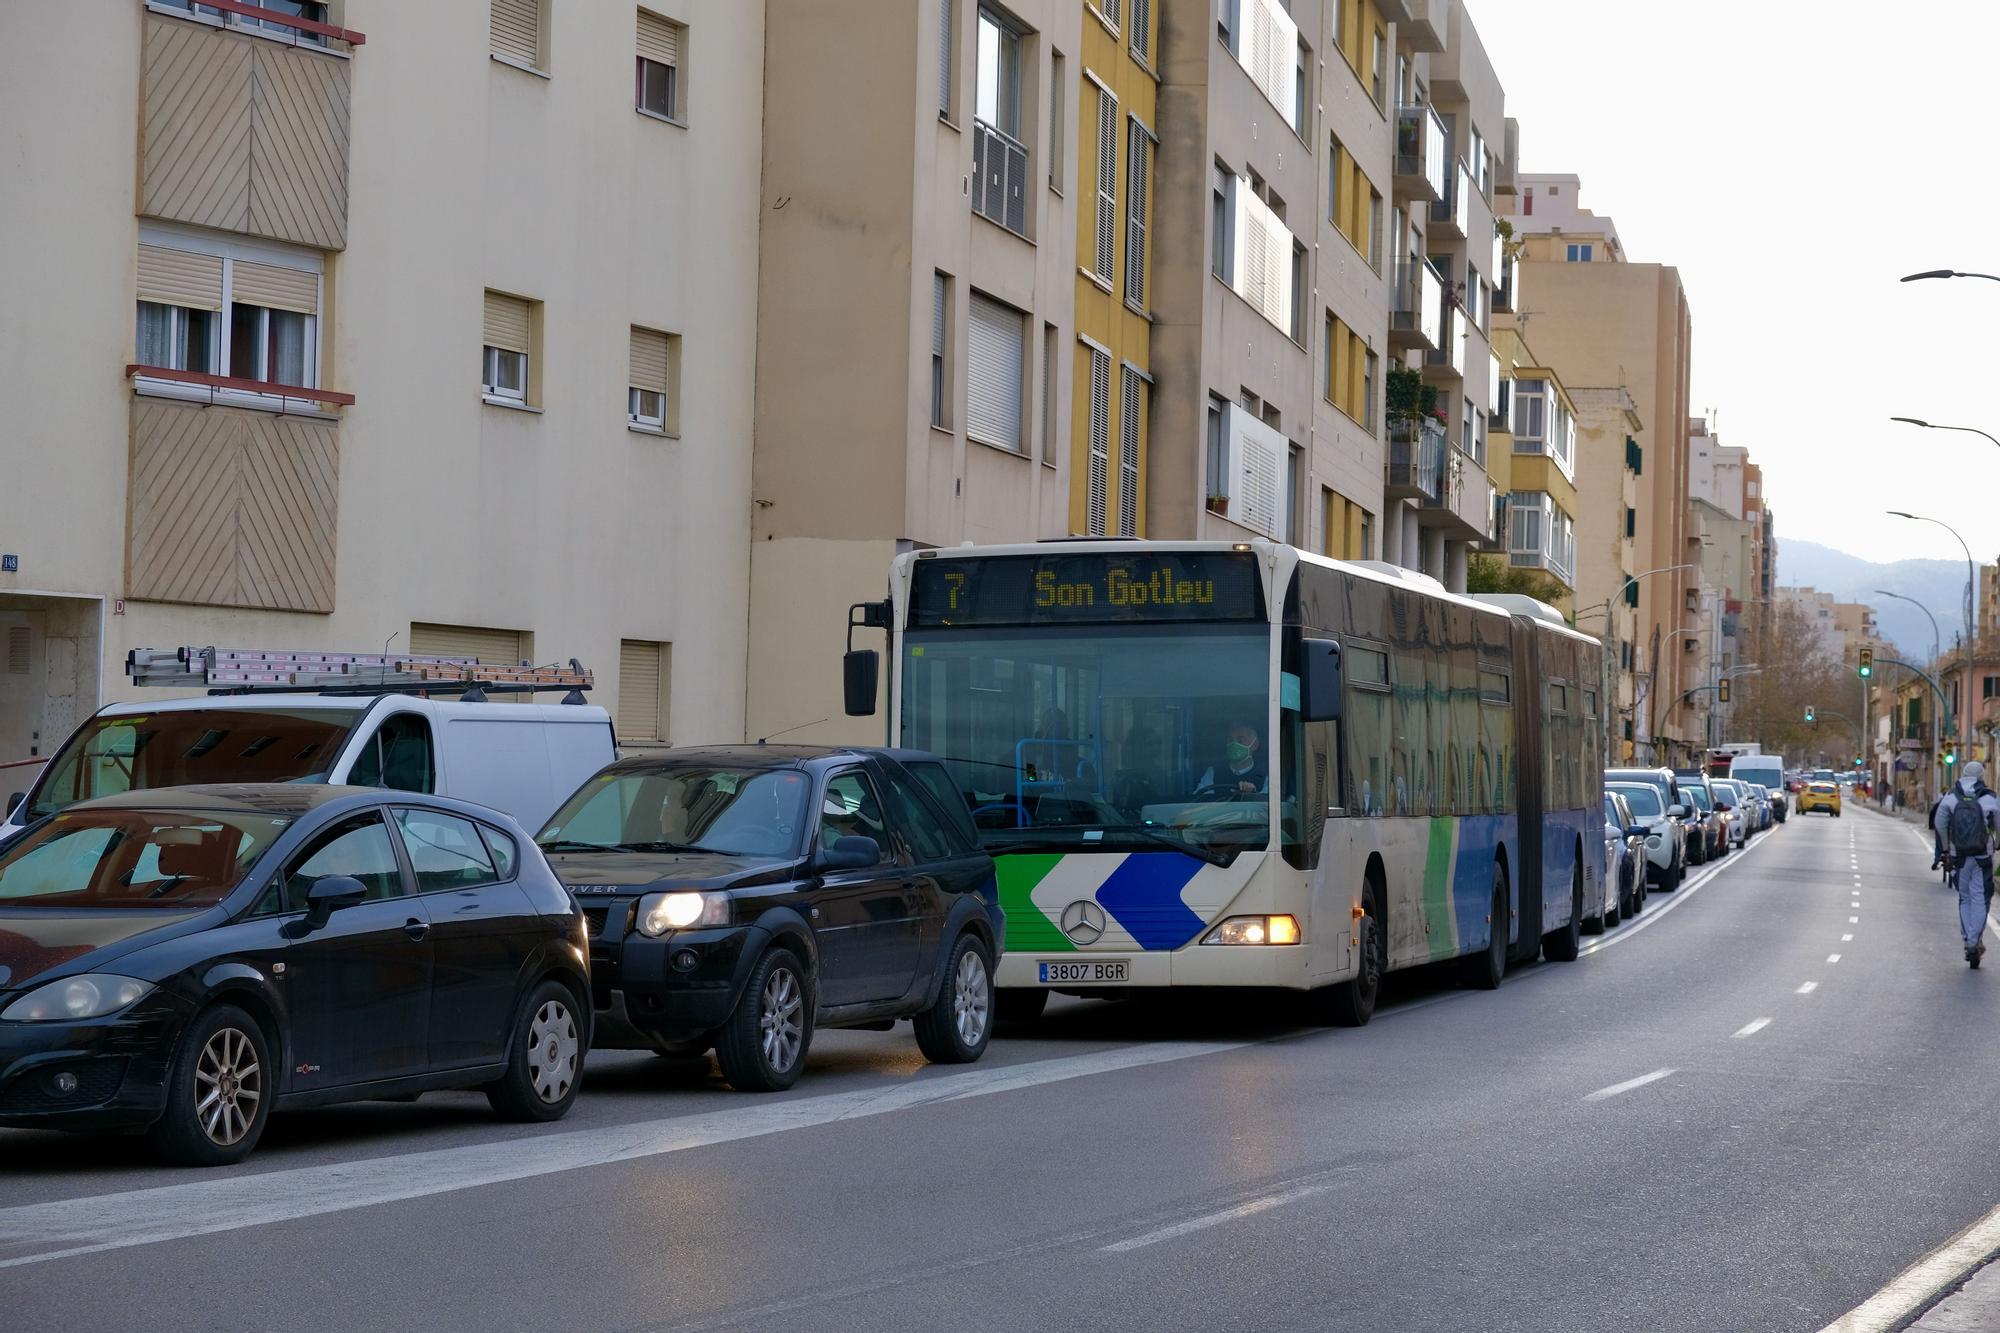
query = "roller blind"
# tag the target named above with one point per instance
(515, 29)
(659, 40)
(180, 277)
(493, 647)
(1100, 442)
(641, 709)
(937, 313)
(506, 323)
(994, 372)
(945, 50)
(1132, 392)
(278, 288)
(649, 360)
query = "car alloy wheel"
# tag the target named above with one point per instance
(782, 1020)
(553, 1047)
(971, 998)
(228, 1083)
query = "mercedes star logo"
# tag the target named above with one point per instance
(1083, 921)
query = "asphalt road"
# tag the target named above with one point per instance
(1748, 1111)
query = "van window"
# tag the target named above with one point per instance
(398, 756)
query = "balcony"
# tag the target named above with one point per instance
(999, 178)
(1463, 506)
(1417, 454)
(1452, 213)
(1423, 155)
(1416, 315)
(1446, 362)
(1427, 27)
(1506, 180)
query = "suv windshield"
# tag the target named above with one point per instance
(133, 858)
(1697, 796)
(1643, 801)
(1122, 738)
(185, 747)
(730, 811)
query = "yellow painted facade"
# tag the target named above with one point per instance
(1112, 77)
(1363, 33)
(1351, 370)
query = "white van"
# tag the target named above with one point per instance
(523, 759)
(1767, 771)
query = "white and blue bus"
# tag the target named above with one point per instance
(1242, 765)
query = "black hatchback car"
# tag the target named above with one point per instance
(185, 961)
(741, 896)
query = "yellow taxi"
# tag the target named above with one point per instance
(1820, 796)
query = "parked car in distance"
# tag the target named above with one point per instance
(520, 759)
(1624, 863)
(1820, 796)
(1737, 815)
(1666, 835)
(187, 961)
(740, 897)
(1668, 784)
(1704, 815)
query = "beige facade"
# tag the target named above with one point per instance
(247, 415)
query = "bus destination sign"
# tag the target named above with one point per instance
(1073, 588)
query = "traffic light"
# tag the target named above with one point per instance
(1809, 713)
(1950, 758)
(1857, 761)
(1867, 663)
(1722, 691)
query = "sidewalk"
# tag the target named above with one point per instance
(1973, 1308)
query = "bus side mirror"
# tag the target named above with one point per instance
(860, 672)
(1319, 680)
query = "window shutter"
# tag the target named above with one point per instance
(945, 19)
(1110, 10)
(1132, 393)
(994, 366)
(937, 314)
(514, 28)
(493, 647)
(1268, 52)
(659, 40)
(1100, 443)
(1137, 180)
(180, 277)
(506, 323)
(1107, 183)
(1142, 29)
(1263, 258)
(1257, 456)
(277, 288)
(641, 702)
(649, 360)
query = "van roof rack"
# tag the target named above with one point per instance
(259, 671)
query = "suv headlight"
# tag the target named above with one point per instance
(1255, 930)
(662, 912)
(92, 995)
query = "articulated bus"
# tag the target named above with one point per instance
(1242, 765)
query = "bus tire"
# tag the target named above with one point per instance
(1484, 970)
(1351, 1003)
(1562, 944)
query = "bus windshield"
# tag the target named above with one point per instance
(1125, 737)
(184, 747)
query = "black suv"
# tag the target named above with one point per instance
(739, 896)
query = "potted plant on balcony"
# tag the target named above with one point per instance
(1219, 505)
(1409, 398)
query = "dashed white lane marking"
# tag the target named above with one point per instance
(1846, 939)
(1250, 1209)
(1752, 1028)
(1854, 921)
(1807, 989)
(1833, 958)
(1628, 1085)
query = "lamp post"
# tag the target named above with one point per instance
(1605, 606)
(1971, 624)
(1937, 650)
(1945, 273)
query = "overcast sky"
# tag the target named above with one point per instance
(1793, 161)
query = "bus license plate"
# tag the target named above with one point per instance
(1068, 974)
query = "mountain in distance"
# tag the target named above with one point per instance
(1938, 584)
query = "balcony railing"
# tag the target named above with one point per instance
(237, 13)
(1417, 454)
(1463, 505)
(1453, 209)
(999, 178)
(1448, 357)
(1416, 316)
(1423, 161)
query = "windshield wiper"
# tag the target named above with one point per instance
(567, 845)
(656, 847)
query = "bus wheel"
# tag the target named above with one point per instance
(1350, 1004)
(1484, 970)
(1562, 944)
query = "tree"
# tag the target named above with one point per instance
(1797, 670)
(1494, 574)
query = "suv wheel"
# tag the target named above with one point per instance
(218, 1093)
(544, 1058)
(762, 1048)
(955, 1029)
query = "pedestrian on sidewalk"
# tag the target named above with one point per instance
(1965, 821)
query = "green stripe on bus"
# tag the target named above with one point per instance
(1437, 890)
(1028, 926)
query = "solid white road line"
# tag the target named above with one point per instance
(1250, 1209)
(1807, 989)
(1752, 1028)
(1923, 1281)
(171, 1212)
(1687, 890)
(1628, 1085)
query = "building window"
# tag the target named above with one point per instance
(653, 396)
(947, 54)
(644, 673)
(999, 153)
(1222, 226)
(1138, 210)
(1302, 89)
(1465, 433)
(997, 98)
(1578, 253)
(509, 338)
(996, 362)
(1298, 329)
(1108, 10)
(1142, 30)
(1529, 405)
(1051, 417)
(1058, 120)
(311, 10)
(1374, 247)
(1294, 493)
(1097, 486)
(208, 306)
(940, 322)
(1503, 403)
(1107, 186)
(1131, 410)
(1333, 180)
(1228, 21)
(1217, 443)
(657, 86)
(1376, 85)
(515, 30)
(1367, 543)
(1368, 390)
(1631, 522)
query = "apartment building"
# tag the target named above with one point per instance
(1606, 322)
(1610, 462)
(267, 248)
(1533, 460)
(915, 311)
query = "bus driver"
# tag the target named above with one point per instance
(1243, 770)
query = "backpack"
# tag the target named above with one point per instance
(1966, 826)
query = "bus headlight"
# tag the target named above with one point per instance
(1255, 930)
(662, 912)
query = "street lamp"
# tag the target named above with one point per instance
(1945, 273)
(1605, 606)
(1937, 651)
(1971, 625)
(1932, 425)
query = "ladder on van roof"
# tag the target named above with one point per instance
(259, 671)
